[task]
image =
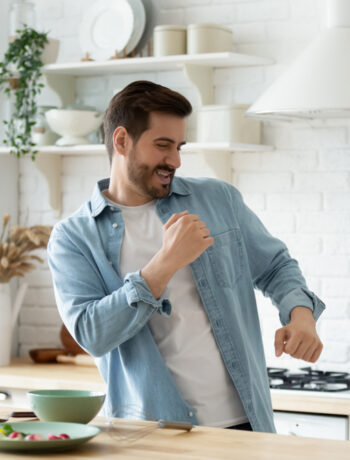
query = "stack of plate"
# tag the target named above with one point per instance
(110, 26)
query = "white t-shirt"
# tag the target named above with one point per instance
(185, 338)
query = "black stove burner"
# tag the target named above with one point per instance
(308, 379)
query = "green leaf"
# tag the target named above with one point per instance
(7, 427)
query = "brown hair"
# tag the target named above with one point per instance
(131, 108)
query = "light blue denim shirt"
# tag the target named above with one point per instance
(108, 315)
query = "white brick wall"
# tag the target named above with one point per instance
(300, 190)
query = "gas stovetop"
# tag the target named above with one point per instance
(308, 379)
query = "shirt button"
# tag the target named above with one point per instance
(111, 208)
(115, 225)
(190, 414)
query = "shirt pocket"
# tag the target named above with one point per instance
(226, 257)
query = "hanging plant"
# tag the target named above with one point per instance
(20, 73)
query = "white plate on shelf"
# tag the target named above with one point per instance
(111, 25)
(139, 25)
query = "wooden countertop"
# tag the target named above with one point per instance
(24, 373)
(202, 443)
(296, 401)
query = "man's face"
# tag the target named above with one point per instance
(152, 161)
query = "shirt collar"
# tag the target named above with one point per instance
(99, 201)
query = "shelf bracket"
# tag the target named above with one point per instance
(50, 166)
(202, 79)
(63, 86)
(200, 163)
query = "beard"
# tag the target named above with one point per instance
(140, 174)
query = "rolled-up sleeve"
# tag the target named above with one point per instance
(137, 290)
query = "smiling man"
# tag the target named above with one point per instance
(155, 275)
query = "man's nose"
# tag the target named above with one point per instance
(174, 160)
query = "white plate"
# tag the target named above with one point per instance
(150, 7)
(78, 432)
(107, 27)
(139, 25)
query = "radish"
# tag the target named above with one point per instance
(15, 435)
(34, 437)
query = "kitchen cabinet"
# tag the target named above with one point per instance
(312, 425)
(199, 70)
(305, 413)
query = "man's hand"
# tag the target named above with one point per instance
(185, 237)
(299, 338)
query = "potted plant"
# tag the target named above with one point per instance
(20, 73)
(16, 244)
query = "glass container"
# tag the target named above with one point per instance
(21, 13)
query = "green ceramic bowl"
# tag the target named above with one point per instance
(77, 406)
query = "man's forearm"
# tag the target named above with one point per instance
(157, 274)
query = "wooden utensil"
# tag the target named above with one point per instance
(19, 414)
(46, 355)
(80, 360)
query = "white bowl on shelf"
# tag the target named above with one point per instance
(73, 125)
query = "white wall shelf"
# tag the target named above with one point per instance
(154, 64)
(100, 149)
(198, 69)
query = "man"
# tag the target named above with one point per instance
(156, 274)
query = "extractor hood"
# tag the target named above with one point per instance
(317, 84)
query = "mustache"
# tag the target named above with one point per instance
(165, 168)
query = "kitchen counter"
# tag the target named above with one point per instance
(337, 403)
(202, 443)
(23, 373)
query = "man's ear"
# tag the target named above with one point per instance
(121, 139)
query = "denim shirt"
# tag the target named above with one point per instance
(108, 315)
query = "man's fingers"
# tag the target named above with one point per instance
(280, 337)
(316, 354)
(174, 218)
(291, 347)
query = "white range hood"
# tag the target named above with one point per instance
(317, 84)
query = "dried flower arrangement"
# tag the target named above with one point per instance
(15, 243)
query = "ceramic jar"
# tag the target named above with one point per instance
(169, 40)
(226, 123)
(208, 38)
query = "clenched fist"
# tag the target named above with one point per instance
(185, 237)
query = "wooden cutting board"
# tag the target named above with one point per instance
(80, 360)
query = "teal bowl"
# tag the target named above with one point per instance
(76, 406)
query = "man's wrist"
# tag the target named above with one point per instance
(157, 273)
(301, 312)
